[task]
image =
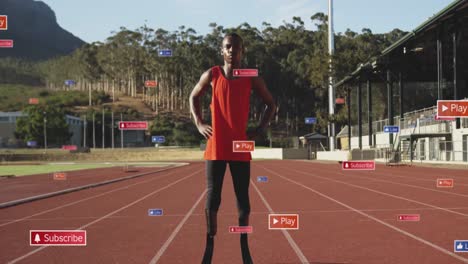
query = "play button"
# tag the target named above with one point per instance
(243, 146)
(452, 108)
(283, 221)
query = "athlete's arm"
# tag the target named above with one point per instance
(199, 89)
(260, 89)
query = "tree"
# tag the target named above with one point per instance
(31, 126)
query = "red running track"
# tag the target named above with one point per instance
(345, 217)
(27, 186)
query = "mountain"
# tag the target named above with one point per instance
(35, 31)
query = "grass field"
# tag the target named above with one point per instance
(22, 170)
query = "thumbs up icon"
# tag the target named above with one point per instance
(459, 246)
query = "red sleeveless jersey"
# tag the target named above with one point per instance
(229, 116)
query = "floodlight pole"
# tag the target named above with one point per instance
(112, 129)
(331, 90)
(121, 133)
(90, 102)
(103, 129)
(45, 131)
(84, 132)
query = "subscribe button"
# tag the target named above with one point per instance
(57, 237)
(283, 221)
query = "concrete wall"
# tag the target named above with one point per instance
(279, 153)
(295, 153)
(335, 155)
(271, 153)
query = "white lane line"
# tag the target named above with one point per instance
(406, 175)
(286, 234)
(83, 200)
(75, 189)
(267, 212)
(443, 250)
(106, 216)
(408, 185)
(417, 179)
(166, 244)
(379, 192)
(396, 183)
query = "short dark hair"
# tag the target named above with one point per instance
(237, 36)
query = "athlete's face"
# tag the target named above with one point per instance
(232, 50)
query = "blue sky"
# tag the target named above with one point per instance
(93, 20)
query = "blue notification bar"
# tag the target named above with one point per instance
(460, 245)
(32, 143)
(155, 212)
(165, 53)
(70, 82)
(391, 129)
(310, 120)
(262, 179)
(158, 139)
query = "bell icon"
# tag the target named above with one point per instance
(346, 165)
(37, 238)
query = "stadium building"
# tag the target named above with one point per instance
(8, 127)
(430, 63)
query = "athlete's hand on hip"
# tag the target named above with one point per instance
(205, 130)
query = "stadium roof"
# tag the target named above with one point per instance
(428, 24)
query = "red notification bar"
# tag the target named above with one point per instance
(409, 217)
(358, 165)
(6, 43)
(34, 101)
(240, 229)
(133, 125)
(245, 72)
(57, 238)
(151, 84)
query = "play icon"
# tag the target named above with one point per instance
(445, 183)
(452, 108)
(243, 146)
(60, 176)
(283, 221)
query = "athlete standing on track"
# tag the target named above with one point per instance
(229, 115)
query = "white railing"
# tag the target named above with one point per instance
(421, 121)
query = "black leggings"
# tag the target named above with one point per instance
(240, 171)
